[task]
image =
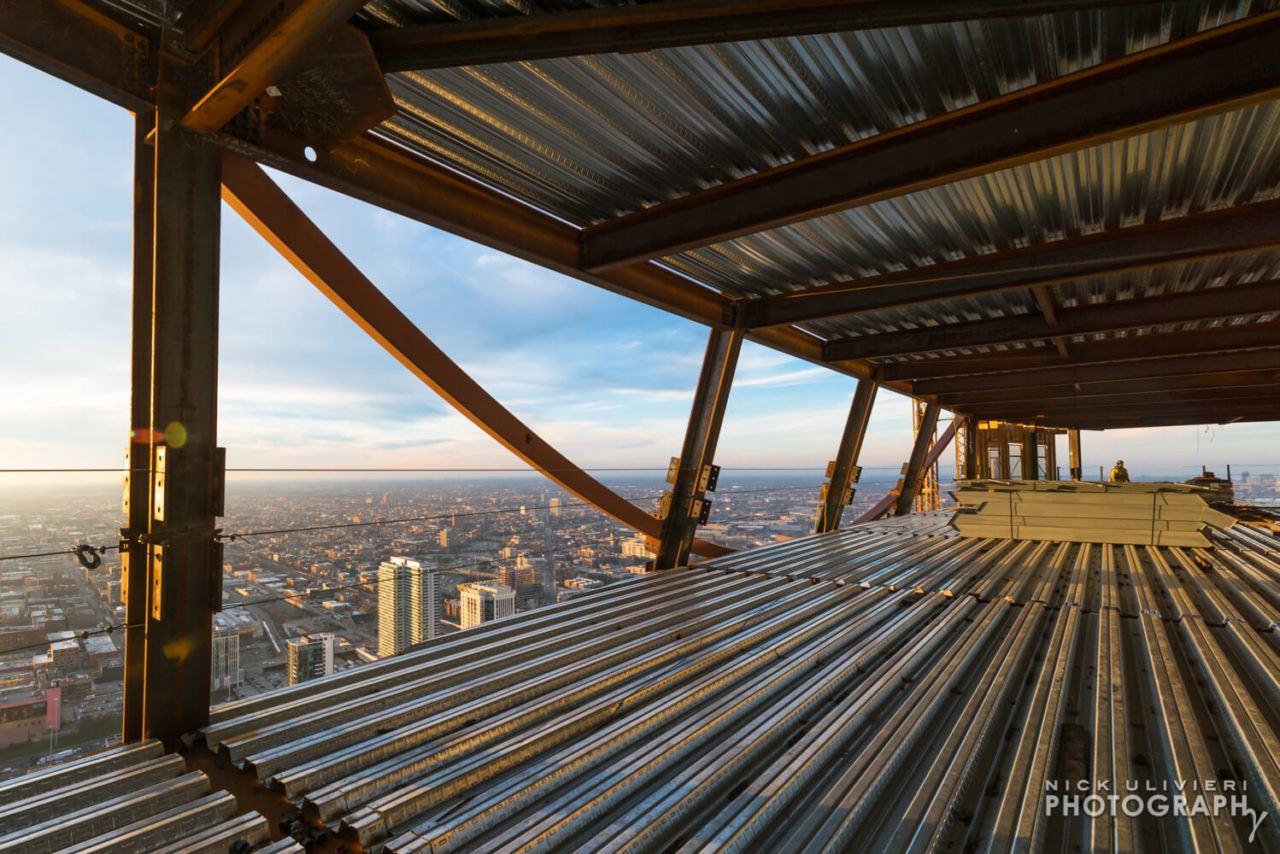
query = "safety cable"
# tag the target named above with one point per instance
(443, 469)
(81, 635)
(90, 556)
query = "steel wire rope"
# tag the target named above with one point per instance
(240, 535)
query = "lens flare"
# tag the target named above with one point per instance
(175, 435)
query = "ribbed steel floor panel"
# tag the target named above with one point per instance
(130, 799)
(891, 687)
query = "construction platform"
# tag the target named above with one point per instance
(891, 687)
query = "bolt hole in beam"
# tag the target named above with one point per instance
(266, 208)
(310, 154)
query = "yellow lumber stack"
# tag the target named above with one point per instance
(1159, 514)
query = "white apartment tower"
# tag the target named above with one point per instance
(408, 605)
(310, 656)
(225, 664)
(485, 601)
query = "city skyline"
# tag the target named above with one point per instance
(603, 378)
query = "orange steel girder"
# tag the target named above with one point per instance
(265, 207)
(268, 61)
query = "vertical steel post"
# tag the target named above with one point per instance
(1073, 454)
(1006, 467)
(973, 465)
(705, 418)
(1031, 454)
(855, 430)
(137, 483)
(919, 449)
(184, 559)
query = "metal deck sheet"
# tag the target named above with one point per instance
(889, 687)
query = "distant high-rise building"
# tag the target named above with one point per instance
(225, 664)
(424, 609)
(635, 547)
(555, 507)
(485, 601)
(445, 538)
(310, 657)
(408, 605)
(547, 577)
(509, 576)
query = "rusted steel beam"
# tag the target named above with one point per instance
(832, 503)
(1251, 336)
(373, 172)
(675, 23)
(184, 559)
(1210, 304)
(201, 24)
(1135, 371)
(83, 45)
(1075, 467)
(697, 454)
(1223, 69)
(265, 207)
(1121, 412)
(280, 43)
(1174, 421)
(138, 455)
(1229, 382)
(1069, 399)
(1199, 236)
(1166, 417)
(910, 482)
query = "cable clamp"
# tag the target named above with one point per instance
(90, 557)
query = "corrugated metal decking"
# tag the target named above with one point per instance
(130, 799)
(890, 687)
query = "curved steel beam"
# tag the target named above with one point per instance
(266, 208)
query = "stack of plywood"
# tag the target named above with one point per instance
(1160, 514)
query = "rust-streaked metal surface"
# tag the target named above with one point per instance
(285, 40)
(886, 687)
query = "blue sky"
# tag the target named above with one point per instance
(605, 379)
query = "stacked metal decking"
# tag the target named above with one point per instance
(1166, 514)
(132, 798)
(889, 687)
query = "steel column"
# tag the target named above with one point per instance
(137, 489)
(1073, 454)
(911, 479)
(972, 465)
(1031, 454)
(184, 565)
(855, 430)
(700, 438)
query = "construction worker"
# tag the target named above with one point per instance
(1119, 474)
